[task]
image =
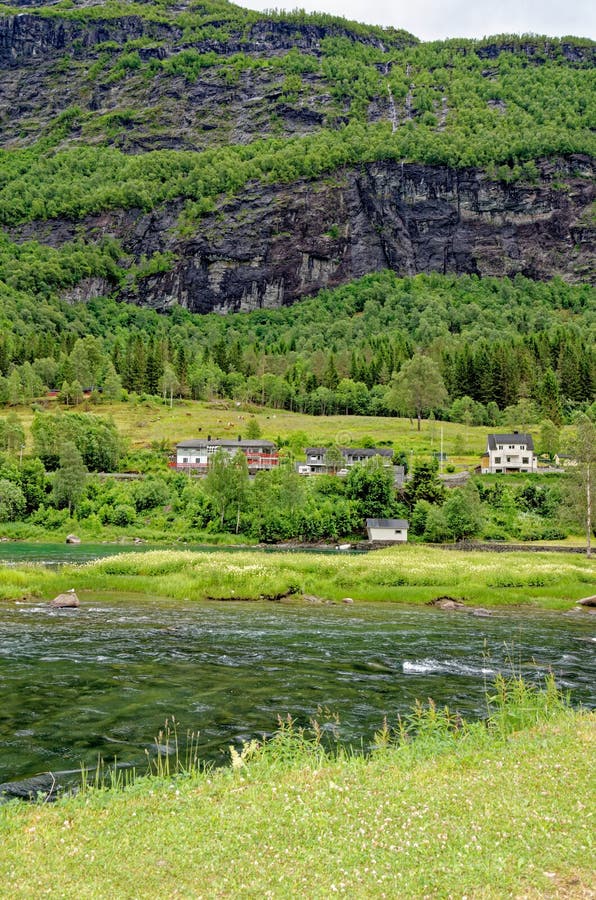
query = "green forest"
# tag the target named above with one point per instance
(494, 343)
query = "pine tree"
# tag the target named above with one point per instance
(331, 375)
(550, 399)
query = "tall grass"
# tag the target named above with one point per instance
(411, 574)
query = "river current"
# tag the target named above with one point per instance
(101, 680)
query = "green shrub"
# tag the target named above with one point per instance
(12, 501)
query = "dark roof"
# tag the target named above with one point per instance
(387, 523)
(225, 442)
(360, 451)
(516, 437)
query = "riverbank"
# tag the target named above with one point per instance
(455, 812)
(410, 574)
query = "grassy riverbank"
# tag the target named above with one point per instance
(457, 811)
(412, 574)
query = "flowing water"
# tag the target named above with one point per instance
(24, 553)
(102, 679)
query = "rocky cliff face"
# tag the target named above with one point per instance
(271, 246)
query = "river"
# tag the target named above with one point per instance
(102, 679)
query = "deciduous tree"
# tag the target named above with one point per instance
(416, 388)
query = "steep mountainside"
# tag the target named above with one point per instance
(206, 155)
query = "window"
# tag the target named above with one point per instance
(500, 447)
(185, 459)
(398, 530)
(525, 460)
(497, 459)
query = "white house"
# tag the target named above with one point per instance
(194, 455)
(507, 453)
(392, 531)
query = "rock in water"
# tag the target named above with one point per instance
(446, 603)
(69, 600)
(72, 539)
(588, 601)
(30, 788)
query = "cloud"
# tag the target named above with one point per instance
(432, 20)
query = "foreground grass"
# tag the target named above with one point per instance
(412, 574)
(480, 816)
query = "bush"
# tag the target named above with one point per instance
(150, 493)
(437, 530)
(50, 517)
(12, 501)
(121, 514)
(419, 517)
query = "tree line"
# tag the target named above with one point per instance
(493, 343)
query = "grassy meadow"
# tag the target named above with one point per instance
(147, 422)
(411, 574)
(455, 811)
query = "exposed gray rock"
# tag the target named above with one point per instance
(447, 603)
(72, 539)
(68, 600)
(587, 601)
(272, 245)
(44, 785)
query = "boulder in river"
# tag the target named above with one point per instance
(44, 786)
(68, 600)
(587, 601)
(73, 539)
(446, 603)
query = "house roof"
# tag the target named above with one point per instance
(351, 451)
(225, 442)
(515, 437)
(387, 523)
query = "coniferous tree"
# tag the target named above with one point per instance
(550, 398)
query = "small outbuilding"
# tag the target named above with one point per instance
(392, 531)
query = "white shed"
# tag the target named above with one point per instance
(389, 530)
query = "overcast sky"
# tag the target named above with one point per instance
(434, 19)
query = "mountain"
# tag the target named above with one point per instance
(204, 155)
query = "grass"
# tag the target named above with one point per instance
(147, 422)
(412, 574)
(456, 810)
